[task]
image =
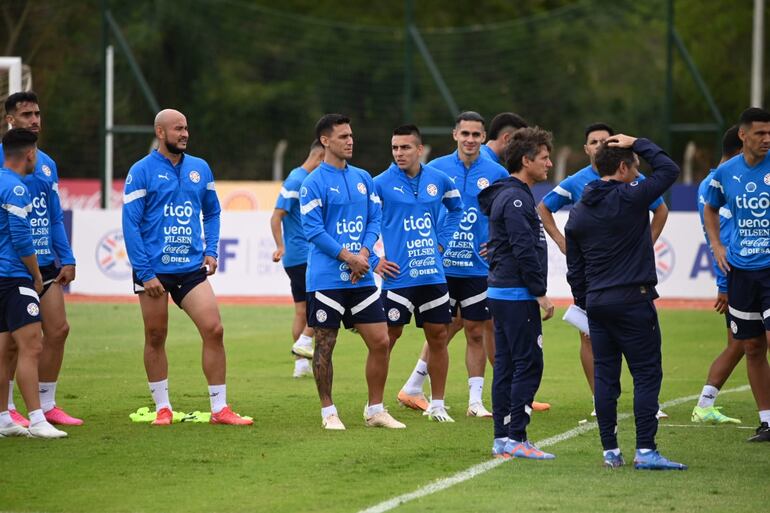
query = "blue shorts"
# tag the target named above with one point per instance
(178, 285)
(19, 304)
(748, 299)
(49, 273)
(326, 308)
(297, 279)
(429, 303)
(470, 295)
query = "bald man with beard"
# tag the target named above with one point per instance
(165, 195)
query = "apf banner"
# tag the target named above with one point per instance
(246, 268)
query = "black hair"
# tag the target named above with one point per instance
(505, 120)
(409, 130)
(753, 114)
(327, 123)
(593, 127)
(315, 146)
(16, 98)
(608, 158)
(18, 140)
(731, 143)
(469, 115)
(525, 142)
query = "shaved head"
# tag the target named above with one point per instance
(171, 131)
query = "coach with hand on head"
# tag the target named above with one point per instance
(611, 270)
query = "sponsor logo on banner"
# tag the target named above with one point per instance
(665, 259)
(112, 257)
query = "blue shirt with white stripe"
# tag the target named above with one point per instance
(570, 190)
(340, 209)
(15, 232)
(162, 208)
(461, 256)
(745, 192)
(294, 241)
(725, 228)
(47, 217)
(410, 231)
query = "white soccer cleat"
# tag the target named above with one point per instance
(45, 430)
(13, 430)
(300, 372)
(440, 415)
(333, 423)
(661, 415)
(478, 410)
(383, 419)
(303, 350)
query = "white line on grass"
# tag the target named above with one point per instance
(701, 426)
(481, 468)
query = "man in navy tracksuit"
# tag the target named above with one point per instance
(518, 268)
(611, 268)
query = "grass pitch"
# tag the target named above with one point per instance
(286, 462)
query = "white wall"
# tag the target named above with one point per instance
(246, 269)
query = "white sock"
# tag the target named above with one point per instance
(436, 404)
(47, 393)
(328, 410)
(304, 340)
(764, 416)
(159, 391)
(374, 409)
(5, 419)
(36, 417)
(644, 451)
(615, 451)
(413, 385)
(11, 406)
(707, 396)
(301, 364)
(218, 397)
(475, 389)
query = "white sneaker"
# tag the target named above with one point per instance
(440, 415)
(478, 410)
(302, 371)
(13, 430)
(333, 423)
(383, 419)
(45, 430)
(303, 350)
(661, 415)
(593, 413)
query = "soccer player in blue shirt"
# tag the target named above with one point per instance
(52, 247)
(742, 185)
(291, 248)
(569, 192)
(341, 216)
(611, 263)
(413, 196)
(20, 284)
(518, 271)
(723, 365)
(501, 129)
(165, 195)
(465, 263)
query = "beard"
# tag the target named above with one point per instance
(172, 148)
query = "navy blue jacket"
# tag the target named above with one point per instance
(517, 251)
(610, 258)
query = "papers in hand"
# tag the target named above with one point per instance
(577, 317)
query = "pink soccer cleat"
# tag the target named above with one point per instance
(229, 417)
(58, 416)
(18, 418)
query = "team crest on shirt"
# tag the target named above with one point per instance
(517, 203)
(432, 189)
(18, 190)
(33, 309)
(767, 179)
(303, 192)
(394, 314)
(129, 179)
(344, 276)
(634, 183)
(46, 170)
(482, 183)
(361, 188)
(195, 176)
(751, 187)
(540, 341)
(321, 316)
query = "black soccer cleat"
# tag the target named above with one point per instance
(762, 434)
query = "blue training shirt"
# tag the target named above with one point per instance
(489, 153)
(162, 208)
(15, 232)
(745, 192)
(47, 217)
(340, 209)
(725, 228)
(570, 190)
(410, 231)
(294, 241)
(461, 256)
